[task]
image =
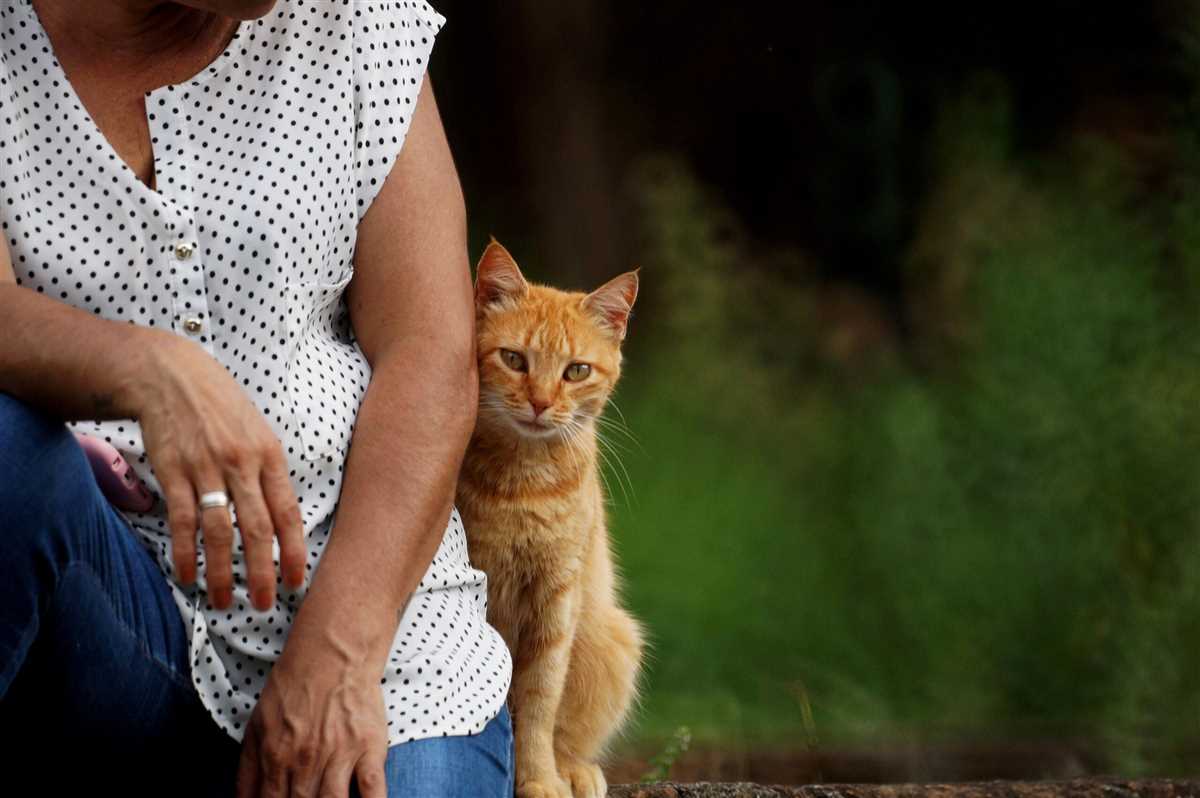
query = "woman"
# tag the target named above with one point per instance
(218, 249)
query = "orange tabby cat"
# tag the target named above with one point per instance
(530, 496)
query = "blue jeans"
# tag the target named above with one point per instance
(95, 692)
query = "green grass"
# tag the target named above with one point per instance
(1003, 542)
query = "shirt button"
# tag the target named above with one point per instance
(184, 251)
(193, 325)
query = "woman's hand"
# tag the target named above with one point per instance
(318, 723)
(202, 434)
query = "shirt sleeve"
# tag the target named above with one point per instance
(392, 43)
(9, 139)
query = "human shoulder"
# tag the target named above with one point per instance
(392, 45)
(410, 22)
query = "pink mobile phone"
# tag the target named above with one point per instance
(116, 478)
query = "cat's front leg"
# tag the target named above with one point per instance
(539, 672)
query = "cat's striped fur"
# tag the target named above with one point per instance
(532, 501)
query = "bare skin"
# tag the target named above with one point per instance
(320, 720)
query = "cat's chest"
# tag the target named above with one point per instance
(525, 541)
(524, 572)
(529, 506)
(519, 546)
(519, 530)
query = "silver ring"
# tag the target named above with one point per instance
(216, 498)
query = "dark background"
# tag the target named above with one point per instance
(812, 120)
(909, 488)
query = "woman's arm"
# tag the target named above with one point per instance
(6, 271)
(321, 717)
(68, 362)
(199, 427)
(413, 314)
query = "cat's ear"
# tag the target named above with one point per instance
(612, 302)
(497, 277)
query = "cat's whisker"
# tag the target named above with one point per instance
(612, 402)
(612, 447)
(620, 444)
(610, 496)
(611, 424)
(619, 426)
(574, 448)
(493, 405)
(568, 434)
(605, 425)
(609, 455)
(577, 444)
(576, 428)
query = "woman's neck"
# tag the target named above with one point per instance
(135, 36)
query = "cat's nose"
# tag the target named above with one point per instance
(538, 407)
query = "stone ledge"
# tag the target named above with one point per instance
(1079, 788)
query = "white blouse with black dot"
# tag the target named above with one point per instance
(265, 162)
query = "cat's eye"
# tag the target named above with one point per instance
(576, 372)
(514, 360)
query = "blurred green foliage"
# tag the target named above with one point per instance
(662, 762)
(986, 527)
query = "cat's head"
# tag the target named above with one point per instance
(548, 359)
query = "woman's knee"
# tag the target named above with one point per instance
(41, 465)
(468, 766)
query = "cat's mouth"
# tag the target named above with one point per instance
(534, 428)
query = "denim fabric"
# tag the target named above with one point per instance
(473, 766)
(95, 692)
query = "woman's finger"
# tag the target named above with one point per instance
(273, 779)
(285, 512)
(218, 541)
(254, 524)
(248, 772)
(305, 771)
(371, 775)
(181, 517)
(335, 781)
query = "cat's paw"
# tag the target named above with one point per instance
(553, 787)
(586, 779)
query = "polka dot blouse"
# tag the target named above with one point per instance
(265, 162)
